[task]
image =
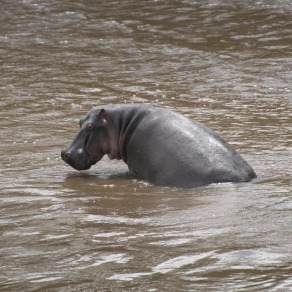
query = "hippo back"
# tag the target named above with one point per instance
(169, 149)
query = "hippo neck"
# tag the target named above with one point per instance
(126, 120)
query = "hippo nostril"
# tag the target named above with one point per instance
(65, 155)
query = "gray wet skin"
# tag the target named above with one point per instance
(159, 146)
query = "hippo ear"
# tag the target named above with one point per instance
(102, 116)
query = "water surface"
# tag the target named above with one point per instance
(224, 63)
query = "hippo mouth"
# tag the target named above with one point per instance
(79, 159)
(75, 161)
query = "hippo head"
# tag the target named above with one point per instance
(90, 143)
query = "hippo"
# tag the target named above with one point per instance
(159, 146)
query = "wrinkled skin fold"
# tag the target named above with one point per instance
(158, 145)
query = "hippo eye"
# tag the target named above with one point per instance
(89, 127)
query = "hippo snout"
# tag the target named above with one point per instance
(65, 155)
(68, 158)
(76, 159)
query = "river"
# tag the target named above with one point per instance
(225, 63)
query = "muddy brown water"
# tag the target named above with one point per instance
(224, 63)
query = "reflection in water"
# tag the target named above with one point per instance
(224, 63)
